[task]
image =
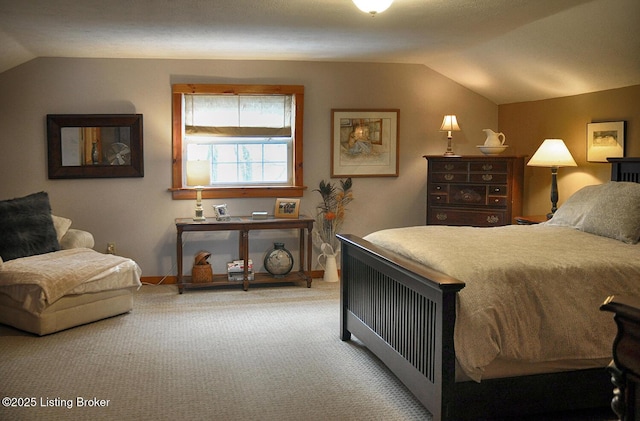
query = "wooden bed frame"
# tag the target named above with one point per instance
(404, 312)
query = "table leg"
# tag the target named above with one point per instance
(179, 260)
(244, 251)
(309, 255)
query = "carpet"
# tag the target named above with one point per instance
(270, 353)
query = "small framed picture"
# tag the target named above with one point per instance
(222, 214)
(287, 208)
(605, 140)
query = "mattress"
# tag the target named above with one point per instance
(532, 292)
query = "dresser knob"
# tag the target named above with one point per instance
(448, 177)
(487, 167)
(492, 219)
(438, 188)
(441, 216)
(448, 167)
(487, 177)
(496, 200)
(497, 190)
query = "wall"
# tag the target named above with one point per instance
(527, 124)
(138, 213)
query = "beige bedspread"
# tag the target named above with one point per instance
(38, 281)
(532, 292)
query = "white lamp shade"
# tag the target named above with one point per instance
(373, 6)
(552, 153)
(450, 124)
(198, 173)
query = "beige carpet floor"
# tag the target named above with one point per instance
(270, 353)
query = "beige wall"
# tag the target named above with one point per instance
(527, 124)
(137, 213)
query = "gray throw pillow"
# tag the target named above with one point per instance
(26, 227)
(616, 213)
(575, 209)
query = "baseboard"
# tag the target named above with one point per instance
(155, 280)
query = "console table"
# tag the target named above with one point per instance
(244, 224)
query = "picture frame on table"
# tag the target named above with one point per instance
(364, 143)
(605, 140)
(222, 213)
(287, 208)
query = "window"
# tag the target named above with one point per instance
(249, 136)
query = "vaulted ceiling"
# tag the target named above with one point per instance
(506, 50)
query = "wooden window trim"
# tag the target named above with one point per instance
(180, 192)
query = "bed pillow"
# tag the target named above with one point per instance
(574, 210)
(26, 227)
(61, 226)
(616, 214)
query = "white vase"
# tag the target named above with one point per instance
(330, 264)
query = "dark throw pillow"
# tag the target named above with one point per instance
(26, 227)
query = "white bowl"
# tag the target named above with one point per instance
(492, 150)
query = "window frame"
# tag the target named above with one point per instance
(181, 192)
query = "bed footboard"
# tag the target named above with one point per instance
(405, 314)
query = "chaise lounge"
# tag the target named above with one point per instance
(50, 277)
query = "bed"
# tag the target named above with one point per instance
(406, 311)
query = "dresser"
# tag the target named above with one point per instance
(482, 191)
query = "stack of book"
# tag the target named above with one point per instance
(235, 270)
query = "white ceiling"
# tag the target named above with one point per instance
(507, 50)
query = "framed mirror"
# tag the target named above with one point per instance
(95, 145)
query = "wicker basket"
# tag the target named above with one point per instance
(201, 274)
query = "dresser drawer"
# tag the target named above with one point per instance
(462, 194)
(442, 188)
(449, 177)
(501, 190)
(491, 166)
(483, 218)
(488, 178)
(449, 166)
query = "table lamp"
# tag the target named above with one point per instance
(198, 176)
(449, 124)
(552, 153)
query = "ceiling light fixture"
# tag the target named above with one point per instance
(373, 6)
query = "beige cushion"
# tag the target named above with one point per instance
(61, 225)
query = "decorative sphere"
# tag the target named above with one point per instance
(278, 260)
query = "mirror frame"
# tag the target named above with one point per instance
(55, 123)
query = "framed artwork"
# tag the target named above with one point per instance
(222, 214)
(94, 145)
(287, 208)
(364, 143)
(605, 140)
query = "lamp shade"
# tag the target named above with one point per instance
(450, 124)
(552, 153)
(198, 173)
(373, 6)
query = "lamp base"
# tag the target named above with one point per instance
(449, 151)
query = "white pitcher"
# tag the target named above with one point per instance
(493, 138)
(330, 264)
